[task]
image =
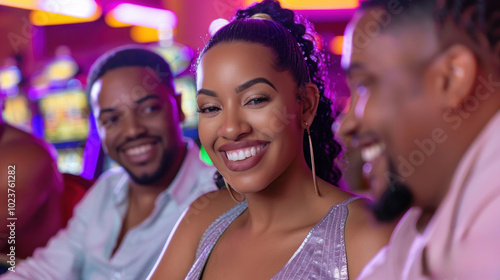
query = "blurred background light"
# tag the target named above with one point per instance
(52, 12)
(9, 77)
(314, 4)
(336, 45)
(74, 8)
(216, 25)
(141, 34)
(22, 4)
(42, 18)
(143, 16)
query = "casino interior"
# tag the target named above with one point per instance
(48, 47)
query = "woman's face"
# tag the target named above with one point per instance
(249, 120)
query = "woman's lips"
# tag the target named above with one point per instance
(243, 155)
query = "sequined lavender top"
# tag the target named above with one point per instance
(320, 256)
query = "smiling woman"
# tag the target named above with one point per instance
(261, 93)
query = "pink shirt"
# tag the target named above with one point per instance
(462, 240)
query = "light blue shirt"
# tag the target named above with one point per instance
(83, 250)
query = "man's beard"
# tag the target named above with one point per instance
(394, 201)
(167, 160)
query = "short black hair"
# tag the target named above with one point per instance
(130, 55)
(473, 16)
(403, 9)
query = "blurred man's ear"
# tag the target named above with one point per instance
(457, 75)
(178, 101)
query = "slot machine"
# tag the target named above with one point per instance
(17, 111)
(64, 118)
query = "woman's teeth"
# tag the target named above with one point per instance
(242, 154)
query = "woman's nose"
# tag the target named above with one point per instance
(235, 124)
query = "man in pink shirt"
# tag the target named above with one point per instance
(425, 82)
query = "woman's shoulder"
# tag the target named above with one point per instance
(361, 225)
(207, 208)
(358, 206)
(182, 245)
(364, 234)
(361, 214)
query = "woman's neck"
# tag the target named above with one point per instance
(287, 200)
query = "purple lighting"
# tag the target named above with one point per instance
(144, 16)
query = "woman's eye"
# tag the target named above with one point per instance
(207, 110)
(257, 100)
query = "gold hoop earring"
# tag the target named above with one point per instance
(313, 166)
(230, 190)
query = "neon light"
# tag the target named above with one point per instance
(144, 16)
(42, 18)
(111, 21)
(141, 34)
(314, 4)
(22, 4)
(336, 45)
(52, 12)
(74, 8)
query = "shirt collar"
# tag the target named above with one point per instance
(121, 190)
(178, 188)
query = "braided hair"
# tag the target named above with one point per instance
(292, 42)
(475, 17)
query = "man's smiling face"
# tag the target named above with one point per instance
(138, 123)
